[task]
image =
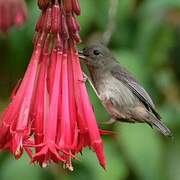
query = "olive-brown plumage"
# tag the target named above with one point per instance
(120, 93)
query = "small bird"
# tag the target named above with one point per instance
(120, 93)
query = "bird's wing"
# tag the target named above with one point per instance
(124, 76)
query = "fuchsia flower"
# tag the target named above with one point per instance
(12, 12)
(50, 116)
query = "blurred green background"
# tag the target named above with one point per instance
(147, 42)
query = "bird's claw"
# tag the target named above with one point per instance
(84, 79)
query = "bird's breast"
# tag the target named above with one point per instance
(108, 87)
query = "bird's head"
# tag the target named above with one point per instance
(96, 55)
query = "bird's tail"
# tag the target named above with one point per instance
(159, 126)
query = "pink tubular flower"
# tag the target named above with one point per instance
(50, 116)
(12, 12)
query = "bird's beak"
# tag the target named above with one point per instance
(81, 55)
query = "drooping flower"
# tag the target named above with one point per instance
(50, 116)
(12, 13)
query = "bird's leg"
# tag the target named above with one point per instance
(84, 79)
(91, 84)
(110, 121)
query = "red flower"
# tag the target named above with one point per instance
(12, 12)
(50, 111)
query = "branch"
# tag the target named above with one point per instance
(111, 25)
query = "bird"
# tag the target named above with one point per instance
(119, 92)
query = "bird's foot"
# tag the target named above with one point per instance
(84, 79)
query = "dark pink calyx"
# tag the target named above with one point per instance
(40, 22)
(76, 7)
(43, 4)
(72, 24)
(56, 23)
(48, 20)
(68, 6)
(65, 32)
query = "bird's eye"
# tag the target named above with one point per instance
(96, 52)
